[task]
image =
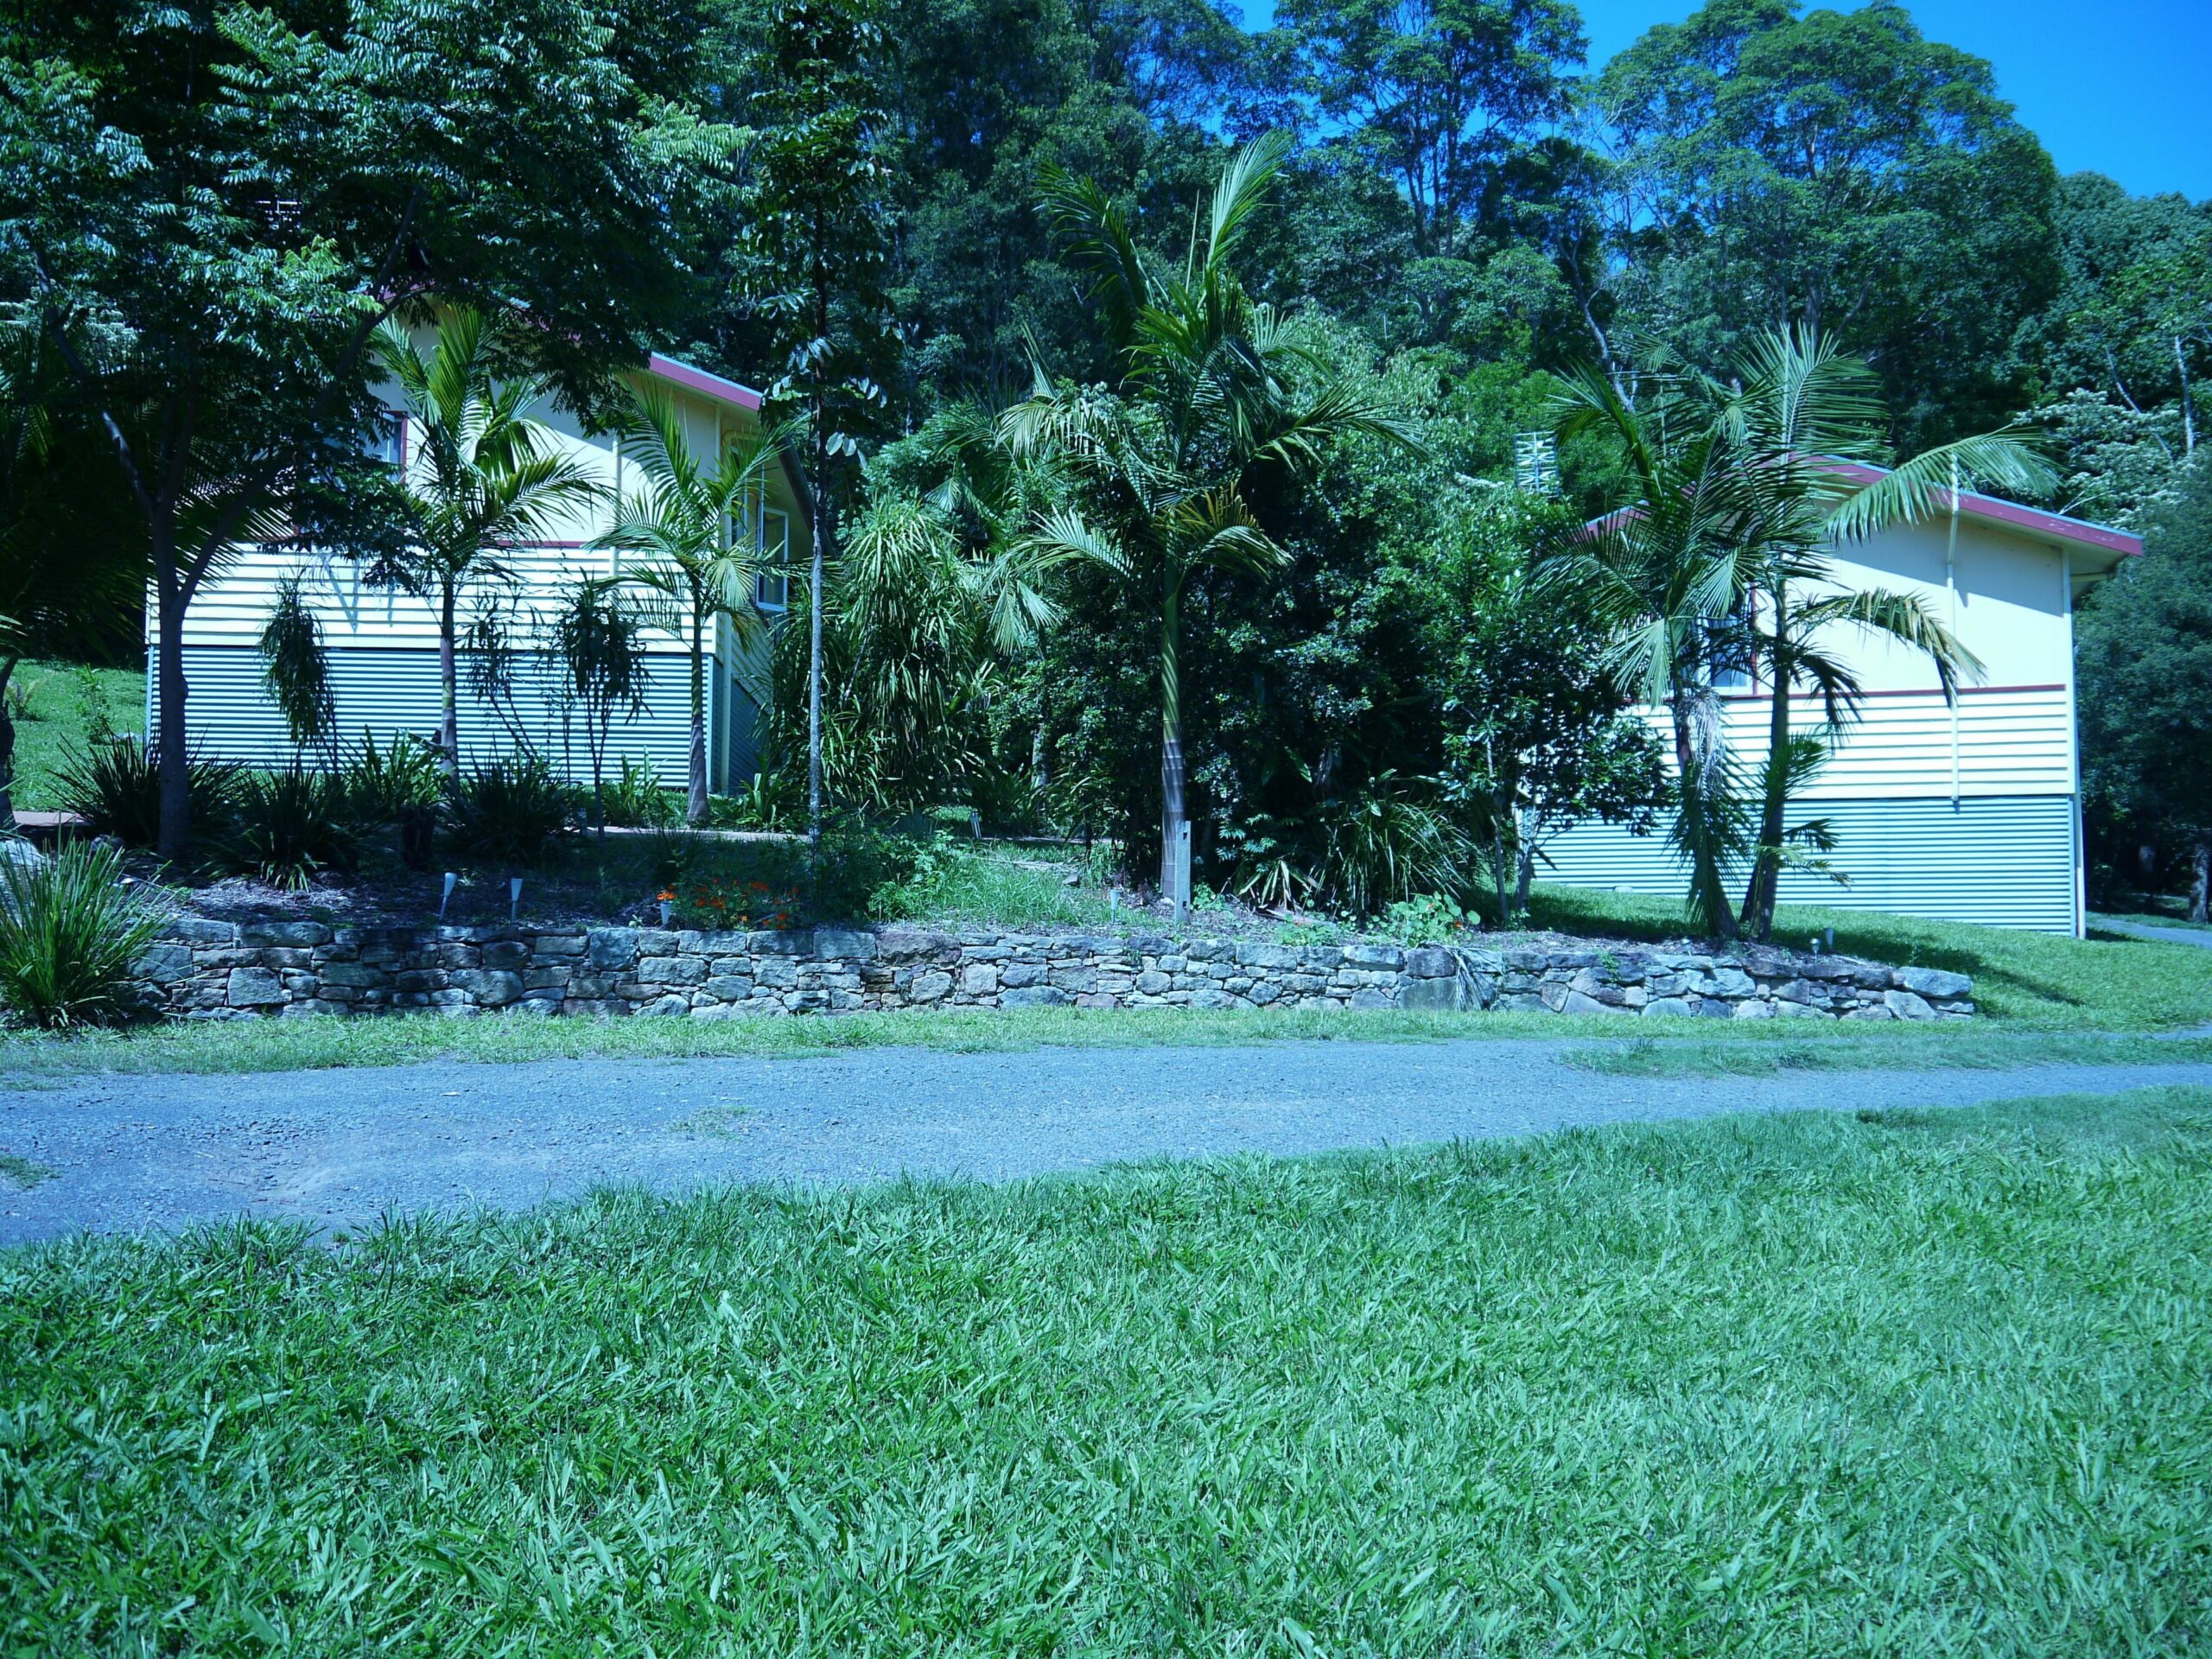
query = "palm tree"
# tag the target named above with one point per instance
(1804, 407)
(482, 479)
(691, 524)
(1720, 563)
(1213, 388)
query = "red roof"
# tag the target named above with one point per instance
(2056, 526)
(705, 385)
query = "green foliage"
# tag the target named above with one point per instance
(296, 669)
(384, 785)
(955, 881)
(488, 477)
(2146, 665)
(595, 642)
(853, 862)
(1427, 920)
(693, 535)
(637, 800)
(1634, 1367)
(1836, 171)
(116, 788)
(1446, 98)
(510, 812)
(1389, 844)
(1538, 736)
(225, 202)
(286, 827)
(71, 927)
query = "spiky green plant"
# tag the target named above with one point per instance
(289, 827)
(70, 931)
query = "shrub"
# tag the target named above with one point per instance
(400, 786)
(513, 811)
(766, 802)
(637, 801)
(1428, 919)
(1390, 845)
(69, 931)
(287, 826)
(116, 787)
(855, 863)
(724, 902)
(384, 785)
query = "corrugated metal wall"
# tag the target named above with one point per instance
(2002, 861)
(228, 713)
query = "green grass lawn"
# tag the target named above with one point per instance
(2148, 919)
(1920, 1384)
(55, 731)
(30, 1059)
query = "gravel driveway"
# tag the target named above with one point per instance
(341, 1147)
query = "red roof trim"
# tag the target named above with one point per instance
(705, 385)
(2034, 519)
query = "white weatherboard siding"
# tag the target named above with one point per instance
(383, 641)
(2002, 861)
(1963, 812)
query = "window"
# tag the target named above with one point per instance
(773, 590)
(387, 442)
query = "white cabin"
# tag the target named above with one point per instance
(1965, 811)
(383, 642)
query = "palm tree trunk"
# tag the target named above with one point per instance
(1709, 906)
(173, 838)
(1766, 867)
(695, 804)
(448, 684)
(7, 748)
(1170, 733)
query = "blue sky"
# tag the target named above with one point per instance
(2114, 86)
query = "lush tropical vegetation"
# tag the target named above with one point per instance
(1194, 423)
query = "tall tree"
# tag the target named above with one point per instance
(1797, 406)
(1213, 392)
(483, 479)
(1444, 94)
(811, 260)
(235, 197)
(1835, 170)
(693, 527)
(2147, 677)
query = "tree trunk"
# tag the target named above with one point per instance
(814, 667)
(448, 685)
(2188, 410)
(1171, 734)
(1708, 893)
(2200, 881)
(7, 748)
(1525, 871)
(695, 802)
(175, 837)
(1766, 865)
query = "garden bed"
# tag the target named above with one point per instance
(208, 968)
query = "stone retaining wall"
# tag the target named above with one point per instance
(209, 969)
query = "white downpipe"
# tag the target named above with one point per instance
(1951, 587)
(2074, 747)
